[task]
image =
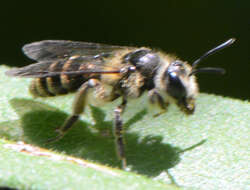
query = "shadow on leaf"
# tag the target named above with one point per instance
(148, 155)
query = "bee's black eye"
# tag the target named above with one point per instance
(175, 87)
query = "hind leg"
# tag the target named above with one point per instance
(79, 105)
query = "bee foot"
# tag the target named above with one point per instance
(124, 163)
(158, 114)
(60, 134)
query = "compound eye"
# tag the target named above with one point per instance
(175, 87)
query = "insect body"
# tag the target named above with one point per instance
(111, 72)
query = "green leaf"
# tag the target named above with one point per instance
(207, 150)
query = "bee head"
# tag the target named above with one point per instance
(179, 86)
(176, 81)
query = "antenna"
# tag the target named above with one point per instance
(211, 52)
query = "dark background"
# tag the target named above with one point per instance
(185, 28)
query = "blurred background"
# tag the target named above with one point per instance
(184, 28)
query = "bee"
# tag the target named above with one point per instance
(103, 73)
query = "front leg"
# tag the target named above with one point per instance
(118, 132)
(156, 98)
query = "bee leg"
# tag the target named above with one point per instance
(156, 98)
(118, 132)
(78, 108)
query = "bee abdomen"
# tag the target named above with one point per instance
(72, 83)
(39, 87)
(59, 84)
(56, 85)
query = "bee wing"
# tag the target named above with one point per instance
(79, 66)
(55, 49)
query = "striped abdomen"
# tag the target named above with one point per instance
(60, 84)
